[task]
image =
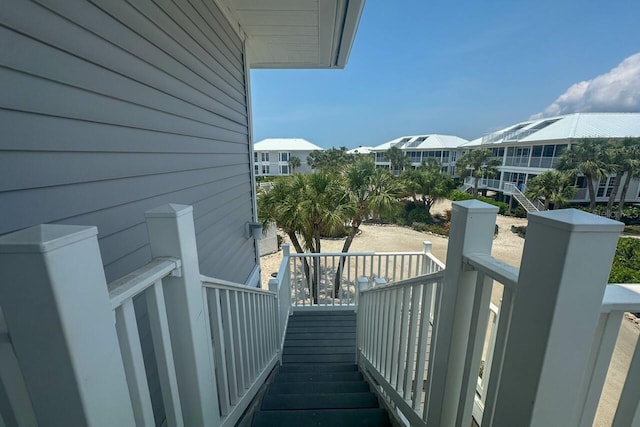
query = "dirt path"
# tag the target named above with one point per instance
(508, 248)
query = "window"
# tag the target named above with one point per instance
(265, 157)
(256, 169)
(415, 156)
(284, 157)
(265, 169)
(445, 156)
(255, 156)
(284, 169)
(548, 150)
(536, 151)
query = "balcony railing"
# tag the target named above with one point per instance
(422, 337)
(330, 279)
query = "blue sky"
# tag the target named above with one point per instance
(463, 68)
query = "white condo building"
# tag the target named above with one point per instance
(529, 148)
(444, 148)
(271, 156)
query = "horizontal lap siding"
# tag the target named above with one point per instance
(111, 108)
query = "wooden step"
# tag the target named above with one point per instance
(291, 377)
(319, 387)
(370, 417)
(319, 401)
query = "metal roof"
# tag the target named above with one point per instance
(285, 144)
(570, 126)
(360, 150)
(422, 142)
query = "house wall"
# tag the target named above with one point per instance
(110, 109)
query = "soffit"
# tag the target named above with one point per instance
(297, 33)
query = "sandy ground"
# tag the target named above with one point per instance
(507, 247)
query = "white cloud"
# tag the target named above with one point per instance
(615, 91)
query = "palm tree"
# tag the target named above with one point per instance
(631, 168)
(303, 206)
(552, 186)
(477, 163)
(397, 159)
(587, 158)
(427, 186)
(294, 162)
(369, 191)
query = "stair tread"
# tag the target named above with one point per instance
(370, 417)
(317, 367)
(317, 376)
(318, 387)
(319, 358)
(319, 401)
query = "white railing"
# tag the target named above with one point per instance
(281, 285)
(329, 280)
(482, 182)
(394, 332)
(534, 370)
(244, 330)
(147, 282)
(618, 299)
(213, 342)
(485, 367)
(15, 405)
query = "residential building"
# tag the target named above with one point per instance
(443, 148)
(271, 156)
(360, 150)
(529, 148)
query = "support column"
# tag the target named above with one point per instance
(565, 267)
(472, 227)
(56, 305)
(171, 233)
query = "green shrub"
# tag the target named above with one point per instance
(503, 208)
(441, 228)
(626, 263)
(419, 215)
(633, 230)
(520, 212)
(457, 195)
(519, 230)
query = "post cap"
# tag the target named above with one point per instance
(45, 238)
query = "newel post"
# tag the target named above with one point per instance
(171, 233)
(56, 305)
(565, 266)
(472, 226)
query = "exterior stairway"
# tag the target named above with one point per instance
(319, 383)
(528, 204)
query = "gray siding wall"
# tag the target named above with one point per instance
(110, 108)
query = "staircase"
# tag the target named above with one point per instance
(319, 383)
(528, 204)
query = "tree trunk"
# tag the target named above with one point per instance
(614, 192)
(305, 265)
(623, 195)
(345, 248)
(592, 193)
(475, 186)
